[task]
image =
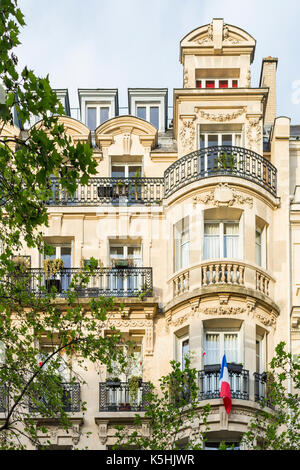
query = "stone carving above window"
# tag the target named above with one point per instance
(254, 133)
(224, 195)
(220, 117)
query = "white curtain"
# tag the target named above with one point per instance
(231, 241)
(231, 347)
(182, 244)
(211, 241)
(212, 348)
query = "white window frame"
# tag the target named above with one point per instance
(98, 107)
(234, 134)
(179, 343)
(179, 244)
(263, 247)
(262, 341)
(221, 224)
(127, 167)
(217, 80)
(125, 251)
(148, 105)
(58, 248)
(222, 332)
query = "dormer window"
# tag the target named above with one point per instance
(149, 113)
(213, 83)
(97, 106)
(96, 115)
(150, 104)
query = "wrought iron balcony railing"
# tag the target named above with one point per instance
(70, 399)
(204, 163)
(116, 396)
(220, 161)
(104, 282)
(209, 386)
(118, 191)
(261, 392)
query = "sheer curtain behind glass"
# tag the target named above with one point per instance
(211, 241)
(231, 240)
(182, 244)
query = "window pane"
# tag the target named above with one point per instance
(185, 347)
(258, 247)
(66, 256)
(212, 349)
(211, 241)
(104, 114)
(238, 140)
(134, 171)
(223, 83)
(154, 116)
(141, 112)
(91, 118)
(212, 139)
(231, 347)
(234, 83)
(198, 84)
(118, 171)
(227, 139)
(210, 84)
(202, 141)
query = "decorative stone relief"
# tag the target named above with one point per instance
(227, 37)
(186, 78)
(223, 310)
(249, 78)
(254, 133)
(103, 432)
(126, 143)
(267, 320)
(208, 37)
(224, 195)
(187, 134)
(220, 117)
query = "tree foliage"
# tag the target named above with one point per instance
(173, 414)
(31, 384)
(276, 425)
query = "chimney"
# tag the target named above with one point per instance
(268, 79)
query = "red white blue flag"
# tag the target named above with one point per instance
(225, 392)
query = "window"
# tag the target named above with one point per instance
(258, 247)
(216, 343)
(221, 240)
(210, 139)
(213, 83)
(183, 349)
(122, 280)
(126, 170)
(260, 243)
(61, 280)
(230, 445)
(149, 112)
(182, 244)
(96, 115)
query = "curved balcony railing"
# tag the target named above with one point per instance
(209, 383)
(220, 161)
(103, 282)
(204, 163)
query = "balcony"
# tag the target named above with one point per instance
(115, 191)
(104, 282)
(261, 392)
(222, 272)
(206, 163)
(70, 399)
(220, 161)
(209, 386)
(116, 396)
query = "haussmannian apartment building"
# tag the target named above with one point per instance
(194, 218)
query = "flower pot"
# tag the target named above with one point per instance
(112, 408)
(125, 407)
(212, 368)
(113, 384)
(232, 367)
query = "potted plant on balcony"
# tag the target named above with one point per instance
(144, 291)
(22, 264)
(113, 382)
(51, 268)
(235, 367)
(134, 383)
(121, 263)
(212, 368)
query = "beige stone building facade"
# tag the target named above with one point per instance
(195, 223)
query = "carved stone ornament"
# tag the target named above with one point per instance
(224, 196)
(208, 37)
(187, 135)
(254, 133)
(267, 320)
(223, 310)
(126, 143)
(227, 37)
(186, 78)
(221, 117)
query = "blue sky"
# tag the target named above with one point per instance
(135, 43)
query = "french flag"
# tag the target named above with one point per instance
(225, 392)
